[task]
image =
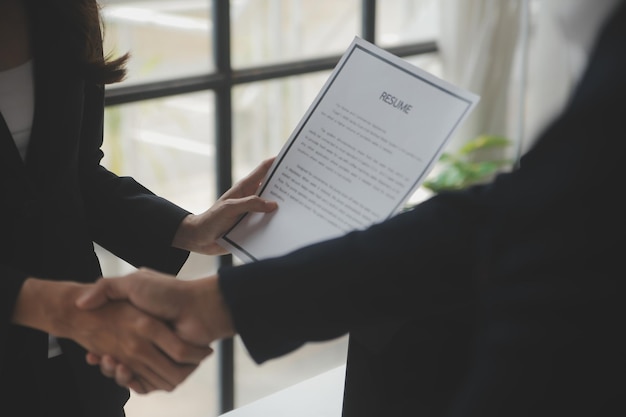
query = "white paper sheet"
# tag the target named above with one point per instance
(363, 147)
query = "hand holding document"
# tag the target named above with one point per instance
(363, 147)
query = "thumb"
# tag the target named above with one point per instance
(100, 293)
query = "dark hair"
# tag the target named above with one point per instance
(83, 18)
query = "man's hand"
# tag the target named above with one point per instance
(198, 233)
(195, 310)
(130, 336)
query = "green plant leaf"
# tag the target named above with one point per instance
(483, 142)
(459, 171)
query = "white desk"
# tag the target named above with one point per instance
(320, 396)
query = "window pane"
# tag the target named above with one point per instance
(253, 382)
(406, 21)
(270, 31)
(166, 38)
(432, 64)
(168, 146)
(427, 62)
(266, 113)
(194, 397)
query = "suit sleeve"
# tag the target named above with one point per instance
(125, 217)
(396, 269)
(558, 220)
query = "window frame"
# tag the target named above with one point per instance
(222, 81)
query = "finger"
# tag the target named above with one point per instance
(162, 375)
(153, 377)
(104, 290)
(251, 203)
(250, 182)
(93, 297)
(139, 386)
(121, 373)
(124, 376)
(158, 370)
(92, 358)
(107, 366)
(258, 173)
(163, 339)
(182, 353)
(144, 360)
(258, 204)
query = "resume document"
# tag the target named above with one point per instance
(363, 147)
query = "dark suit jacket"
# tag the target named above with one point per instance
(501, 300)
(56, 204)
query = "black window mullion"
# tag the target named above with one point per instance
(222, 82)
(223, 143)
(214, 81)
(368, 20)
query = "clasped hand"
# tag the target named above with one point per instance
(193, 313)
(146, 345)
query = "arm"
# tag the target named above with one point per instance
(145, 229)
(123, 216)
(118, 329)
(535, 224)
(198, 311)
(195, 308)
(522, 226)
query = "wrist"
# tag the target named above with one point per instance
(46, 305)
(184, 238)
(216, 313)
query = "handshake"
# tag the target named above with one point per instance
(148, 330)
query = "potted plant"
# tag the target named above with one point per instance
(469, 165)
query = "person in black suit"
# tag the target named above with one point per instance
(57, 200)
(503, 299)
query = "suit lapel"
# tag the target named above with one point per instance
(14, 183)
(10, 159)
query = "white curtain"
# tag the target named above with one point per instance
(523, 57)
(562, 35)
(478, 42)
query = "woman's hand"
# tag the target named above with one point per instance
(199, 233)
